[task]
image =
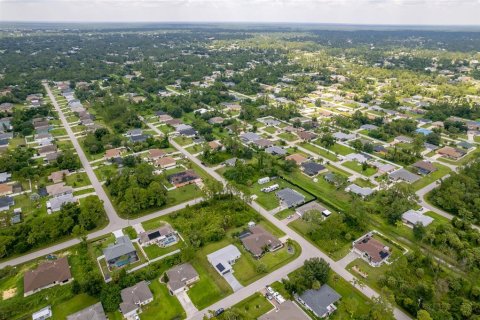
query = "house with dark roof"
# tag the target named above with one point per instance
(249, 137)
(290, 198)
(258, 241)
(371, 250)
(134, 297)
(424, 167)
(163, 236)
(276, 151)
(48, 274)
(93, 312)
(121, 253)
(306, 135)
(6, 202)
(321, 302)
(181, 278)
(311, 168)
(263, 143)
(404, 175)
(181, 179)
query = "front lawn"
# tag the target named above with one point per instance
(253, 306)
(75, 304)
(319, 151)
(288, 136)
(432, 177)
(341, 149)
(358, 167)
(154, 251)
(77, 180)
(163, 306)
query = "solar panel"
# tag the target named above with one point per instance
(220, 267)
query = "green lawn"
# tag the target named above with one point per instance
(105, 171)
(284, 214)
(363, 183)
(245, 269)
(428, 179)
(270, 130)
(341, 149)
(373, 274)
(269, 200)
(163, 306)
(77, 180)
(355, 166)
(75, 304)
(288, 136)
(183, 141)
(253, 306)
(153, 251)
(319, 151)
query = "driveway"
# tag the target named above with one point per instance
(232, 281)
(186, 303)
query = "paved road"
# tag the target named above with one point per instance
(308, 251)
(114, 220)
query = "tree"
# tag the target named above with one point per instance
(327, 140)
(381, 309)
(110, 297)
(423, 315)
(418, 231)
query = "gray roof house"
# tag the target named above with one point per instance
(56, 203)
(275, 150)
(180, 277)
(405, 175)
(134, 297)
(368, 127)
(248, 137)
(290, 198)
(344, 136)
(4, 177)
(363, 192)
(311, 206)
(321, 302)
(121, 252)
(223, 259)
(311, 168)
(412, 217)
(6, 202)
(93, 312)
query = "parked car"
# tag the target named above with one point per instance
(270, 290)
(219, 312)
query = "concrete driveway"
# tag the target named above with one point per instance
(186, 303)
(232, 281)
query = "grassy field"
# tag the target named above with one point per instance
(105, 171)
(253, 306)
(77, 180)
(355, 166)
(319, 151)
(270, 130)
(163, 306)
(245, 269)
(153, 251)
(75, 304)
(183, 141)
(288, 136)
(341, 149)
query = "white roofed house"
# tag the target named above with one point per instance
(223, 260)
(414, 217)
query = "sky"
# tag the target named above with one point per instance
(389, 12)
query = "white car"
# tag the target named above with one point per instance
(280, 299)
(270, 290)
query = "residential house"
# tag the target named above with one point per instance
(181, 278)
(298, 158)
(112, 154)
(290, 198)
(371, 250)
(55, 204)
(402, 139)
(360, 191)
(166, 162)
(306, 135)
(93, 312)
(263, 143)
(451, 153)
(216, 120)
(403, 174)
(5, 177)
(276, 151)
(368, 127)
(259, 240)
(44, 139)
(46, 150)
(181, 179)
(249, 137)
(6, 202)
(311, 168)
(121, 253)
(357, 157)
(215, 145)
(52, 157)
(5, 189)
(466, 145)
(223, 260)
(58, 176)
(424, 167)
(58, 189)
(344, 136)
(164, 117)
(43, 314)
(285, 311)
(414, 217)
(174, 122)
(320, 302)
(311, 206)
(46, 275)
(133, 298)
(163, 236)
(154, 154)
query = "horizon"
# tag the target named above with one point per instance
(345, 12)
